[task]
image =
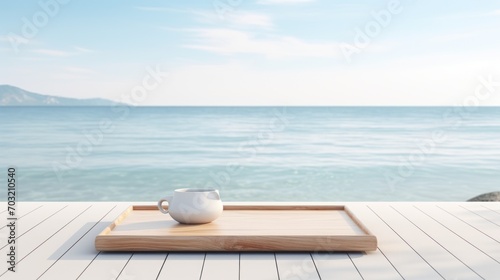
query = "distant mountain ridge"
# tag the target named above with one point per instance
(14, 96)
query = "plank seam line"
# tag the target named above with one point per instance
(161, 268)
(76, 243)
(316, 267)
(480, 216)
(25, 214)
(43, 241)
(123, 268)
(467, 223)
(39, 245)
(203, 265)
(494, 210)
(457, 235)
(359, 272)
(438, 243)
(390, 263)
(277, 268)
(81, 273)
(433, 268)
(37, 224)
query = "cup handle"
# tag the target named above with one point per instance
(160, 207)
(214, 195)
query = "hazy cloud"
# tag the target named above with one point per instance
(251, 19)
(274, 2)
(51, 52)
(229, 41)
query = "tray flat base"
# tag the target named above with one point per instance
(240, 228)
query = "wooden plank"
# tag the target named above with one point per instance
(31, 221)
(143, 266)
(482, 264)
(73, 262)
(374, 265)
(296, 266)
(475, 221)
(260, 266)
(221, 266)
(106, 265)
(438, 257)
(185, 266)
(335, 265)
(482, 242)
(32, 239)
(39, 259)
(483, 212)
(495, 206)
(408, 263)
(22, 211)
(22, 208)
(144, 228)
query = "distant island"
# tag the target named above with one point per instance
(14, 96)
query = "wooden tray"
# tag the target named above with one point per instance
(240, 228)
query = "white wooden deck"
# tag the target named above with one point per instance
(416, 241)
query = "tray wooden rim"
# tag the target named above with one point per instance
(369, 238)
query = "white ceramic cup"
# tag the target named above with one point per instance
(193, 206)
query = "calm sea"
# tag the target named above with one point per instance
(252, 153)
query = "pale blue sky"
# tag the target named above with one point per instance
(265, 52)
